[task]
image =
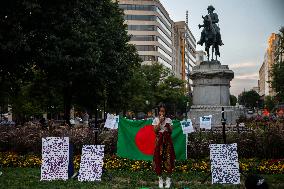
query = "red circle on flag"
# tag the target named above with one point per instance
(145, 140)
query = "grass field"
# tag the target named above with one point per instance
(24, 178)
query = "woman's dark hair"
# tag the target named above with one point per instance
(162, 105)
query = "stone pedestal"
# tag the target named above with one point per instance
(211, 92)
(211, 84)
(231, 114)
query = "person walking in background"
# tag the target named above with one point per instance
(164, 155)
(43, 123)
(85, 118)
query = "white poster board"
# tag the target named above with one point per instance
(224, 163)
(55, 158)
(116, 122)
(91, 164)
(112, 121)
(186, 126)
(205, 122)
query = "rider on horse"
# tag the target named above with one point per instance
(211, 18)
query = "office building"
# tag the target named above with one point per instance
(185, 47)
(157, 38)
(265, 88)
(151, 29)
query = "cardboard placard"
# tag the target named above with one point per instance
(55, 158)
(205, 122)
(91, 163)
(186, 126)
(224, 163)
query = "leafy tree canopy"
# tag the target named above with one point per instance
(278, 69)
(233, 100)
(77, 48)
(249, 98)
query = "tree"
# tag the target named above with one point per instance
(233, 100)
(278, 80)
(269, 102)
(92, 56)
(151, 84)
(79, 48)
(129, 96)
(15, 51)
(249, 98)
(26, 106)
(155, 76)
(277, 72)
(139, 92)
(171, 91)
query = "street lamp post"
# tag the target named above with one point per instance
(223, 121)
(95, 126)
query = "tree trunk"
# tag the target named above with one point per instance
(96, 115)
(67, 104)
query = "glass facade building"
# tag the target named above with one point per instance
(153, 33)
(151, 30)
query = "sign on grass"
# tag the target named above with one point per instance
(112, 121)
(224, 163)
(186, 126)
(55, 158)
(205, 122)
(91, 163)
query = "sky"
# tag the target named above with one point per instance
(245, 28)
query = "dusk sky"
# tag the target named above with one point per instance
(245, 27)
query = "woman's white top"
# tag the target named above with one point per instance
(162, 125)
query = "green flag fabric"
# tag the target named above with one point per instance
(136, 139)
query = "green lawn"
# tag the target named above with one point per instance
(18, 178)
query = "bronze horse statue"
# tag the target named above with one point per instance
(210, 39)
(211, 33)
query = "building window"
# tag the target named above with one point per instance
(141, 27)
(164, 35)
(164, 17)
(147, 58)
(160, 50)
(164, 26)
(143, 38)
(137, 7)
(190, 37)
(190, 57)
(165, 63)
(140, 17)
(145, 48)
(164, 45)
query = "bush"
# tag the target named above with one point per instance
(261, 142)
(28, 139)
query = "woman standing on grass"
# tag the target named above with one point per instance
(164, 155)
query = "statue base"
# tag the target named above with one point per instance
(231, 113)
(211, 92)
(211, 83)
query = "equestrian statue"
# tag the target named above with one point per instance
(210, 34)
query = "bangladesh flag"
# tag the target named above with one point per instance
(136, 139)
